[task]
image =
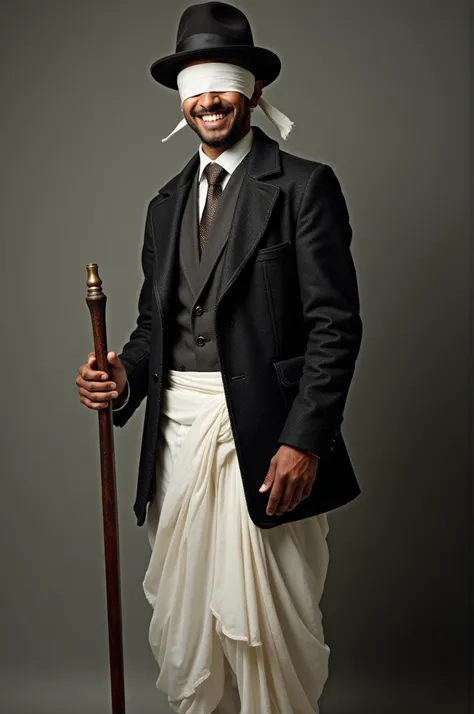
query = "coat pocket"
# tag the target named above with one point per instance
(290, 371)
(273, 251)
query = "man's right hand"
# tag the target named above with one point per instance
(97, 389)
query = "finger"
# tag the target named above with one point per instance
(287, 495)
(275, 494)
(92, 362)
(308, 487)
(91, 375)
(93, 386)
(94, 405)
(112, 358)
(97, 396)
(269, 478)
(297, 496)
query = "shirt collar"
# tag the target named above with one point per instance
(230, 158)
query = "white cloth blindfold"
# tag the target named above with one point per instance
(224, 77)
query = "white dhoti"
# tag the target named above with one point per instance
(228, 598)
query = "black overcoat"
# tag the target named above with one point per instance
(288, 324)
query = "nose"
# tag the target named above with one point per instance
(208, 99)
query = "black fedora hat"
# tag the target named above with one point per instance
(216, 29)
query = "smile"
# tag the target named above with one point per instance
(213, 120)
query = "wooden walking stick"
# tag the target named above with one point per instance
(96, 301)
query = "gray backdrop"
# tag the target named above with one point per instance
(378, 89)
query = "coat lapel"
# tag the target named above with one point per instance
(166, 213)
(253, 210)
(189, 238)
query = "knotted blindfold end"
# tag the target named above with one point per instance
(224, 77)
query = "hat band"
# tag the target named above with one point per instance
(205, 40)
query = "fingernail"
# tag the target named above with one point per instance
(104, 376)
(262, 488)
(113, 385)
(114, 395)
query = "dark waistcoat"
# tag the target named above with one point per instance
(194, 342)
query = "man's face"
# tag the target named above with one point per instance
(220, 119)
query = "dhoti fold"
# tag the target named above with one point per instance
(225, 593)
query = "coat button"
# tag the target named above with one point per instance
(201, 341)
(155, 377)
(199, 311)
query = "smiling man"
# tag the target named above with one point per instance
(245, 347)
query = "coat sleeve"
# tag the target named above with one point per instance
(135, 354)
(330, 302)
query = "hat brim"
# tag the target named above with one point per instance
(263, 63)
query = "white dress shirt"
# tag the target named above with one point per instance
(229, 160)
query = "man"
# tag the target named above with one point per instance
(245, 347)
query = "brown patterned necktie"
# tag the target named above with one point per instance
(214, 175)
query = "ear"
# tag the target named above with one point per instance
(257, 93)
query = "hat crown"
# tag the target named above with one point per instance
(211, 31)
(214, 18)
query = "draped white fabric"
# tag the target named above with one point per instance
(222, 590)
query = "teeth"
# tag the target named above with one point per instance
(212, 117)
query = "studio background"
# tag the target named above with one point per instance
(381, 91)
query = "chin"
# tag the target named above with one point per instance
(218, 141)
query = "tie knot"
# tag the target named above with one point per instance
(214, 174)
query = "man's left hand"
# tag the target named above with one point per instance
(291, 476)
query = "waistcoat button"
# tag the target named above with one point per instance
(201, 341)
(199, 311)
(155, 377)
